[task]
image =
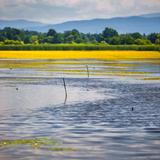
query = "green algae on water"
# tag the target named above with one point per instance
(37, 142)
(40, 143)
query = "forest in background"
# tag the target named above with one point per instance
(13, 36)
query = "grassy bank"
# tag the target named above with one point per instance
(80, 47)
(109, 55)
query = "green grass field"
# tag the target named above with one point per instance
(81, 47)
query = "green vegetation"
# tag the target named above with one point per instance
(109, 39)
(30, 142)
(80, 47)
(108, 36)
(41, 143)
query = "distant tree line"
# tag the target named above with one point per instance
(108, 36)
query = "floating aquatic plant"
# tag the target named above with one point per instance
(37, 142)
(42, 143)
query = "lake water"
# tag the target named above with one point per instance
(112, 109)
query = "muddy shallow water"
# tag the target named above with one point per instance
(112, 109)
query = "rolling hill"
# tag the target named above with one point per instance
(21, 24)
(144, 24)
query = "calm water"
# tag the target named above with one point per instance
(113, 114)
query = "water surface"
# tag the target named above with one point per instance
(112, 109)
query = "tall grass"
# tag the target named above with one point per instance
(80, 47)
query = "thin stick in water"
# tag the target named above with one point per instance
(65, 88)
(87, 70)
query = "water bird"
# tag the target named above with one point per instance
(17, 89)
(132, 109)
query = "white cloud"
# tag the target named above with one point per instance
(64, 10)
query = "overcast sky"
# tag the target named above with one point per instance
(55, 11)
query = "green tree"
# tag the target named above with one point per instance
(126, 39)
(34, 39)
(142, 42)
(114, 40)
(109, 32)
(51, 32)
(136, 35)
(110, 36)
(27, 40)
(158, 39)
(13, 42)
(152, 37)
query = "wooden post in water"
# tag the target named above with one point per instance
(87, 70)
(65, 88)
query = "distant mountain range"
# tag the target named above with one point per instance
(144, 24)
(21, 24)
(151, 15)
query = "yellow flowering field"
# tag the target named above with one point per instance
(111, 55)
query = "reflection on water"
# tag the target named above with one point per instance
(113, 114)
